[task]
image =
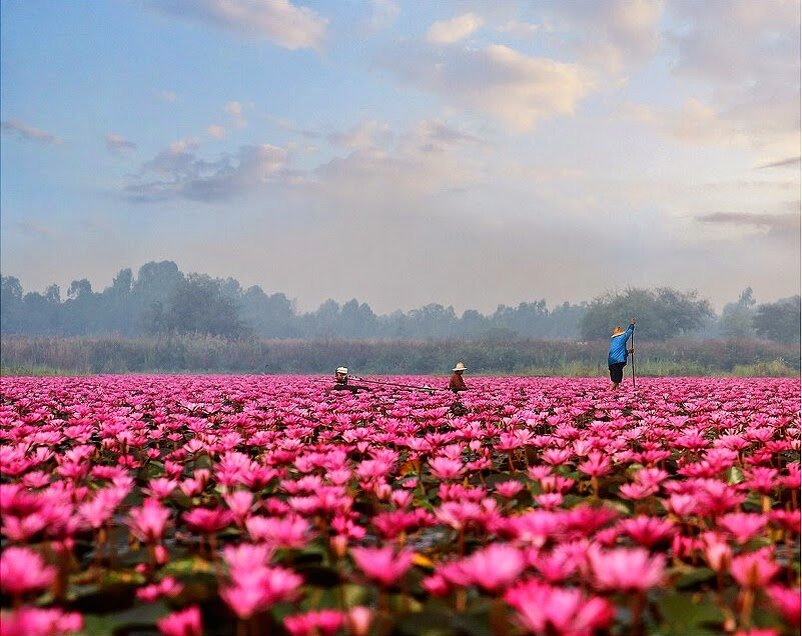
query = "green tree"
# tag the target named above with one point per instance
(662, 313)
(736, 318)
(200, 305)
(779, 321)
(11, 308)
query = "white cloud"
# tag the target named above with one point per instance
(278, 21)
(215, 131)
(455, 29)
(180, 146)
(383, 14)
(25, 131)
(746, 55)
(168, 96)
(424, 160)
(35, 228)
(179, 173)
(118, 144)
(519, 29)
(518, 89)
(235, 110)
(614, 34)
(366, 134)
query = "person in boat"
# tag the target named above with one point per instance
(617, 358)
(341, 382)
(457, 383)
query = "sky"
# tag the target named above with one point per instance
(464, 153)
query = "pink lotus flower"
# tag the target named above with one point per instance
(161, 488)
(22, 529)
(549, 500)
(625, 569)
(445, 468)
(566, 612)
(241, 558)
(636, 491)
(23, 571)
(315, 623)
(491, 568)
(681, 505)
(256, 590)
(458, 515)
(391, 524)
(509, 489)
(557, 566)
(758, 631)
(787, 600)
(187, 622)
(754, 569)
(206, 520)
(148, 522)
(647, 531)
(30, 621)
(716, 551)
(359, 619)
(743, 526)
(168, 587)
(239, 503)
(381, 564)
(597, 465)
(291, 532)
(535, 527)
(557, 456)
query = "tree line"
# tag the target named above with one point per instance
(161, 300)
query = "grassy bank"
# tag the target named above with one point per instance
(201, 354)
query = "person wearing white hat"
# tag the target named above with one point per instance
(341, 382)
(456, 383)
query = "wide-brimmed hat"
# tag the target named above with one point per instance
(342, 370)
(459, 367)
(617, 331)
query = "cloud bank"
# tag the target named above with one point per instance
(278, 21)
(24, 131)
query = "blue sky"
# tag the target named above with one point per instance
(467, 153)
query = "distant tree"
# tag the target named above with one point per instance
(433, 321)
(82, 311)
(122, 283)
(564, 321)
(324, 321)
(472, 324)
(155, 284)
(357, 320)
(736, 318)
(779, 321)
(199, 305)
(53, 294)
(662, 313)
(527, 319)
(271, 316)
(11, 308)
(79, 288)
(117, 309)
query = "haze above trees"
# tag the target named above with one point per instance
(163, 300)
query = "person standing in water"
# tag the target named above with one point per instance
(617, 358)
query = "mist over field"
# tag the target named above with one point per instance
(467, 154)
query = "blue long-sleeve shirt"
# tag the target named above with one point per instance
(618, 346)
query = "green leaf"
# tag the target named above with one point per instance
(142, 616)
(692, 576)
(683, 615)
(734, 475)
